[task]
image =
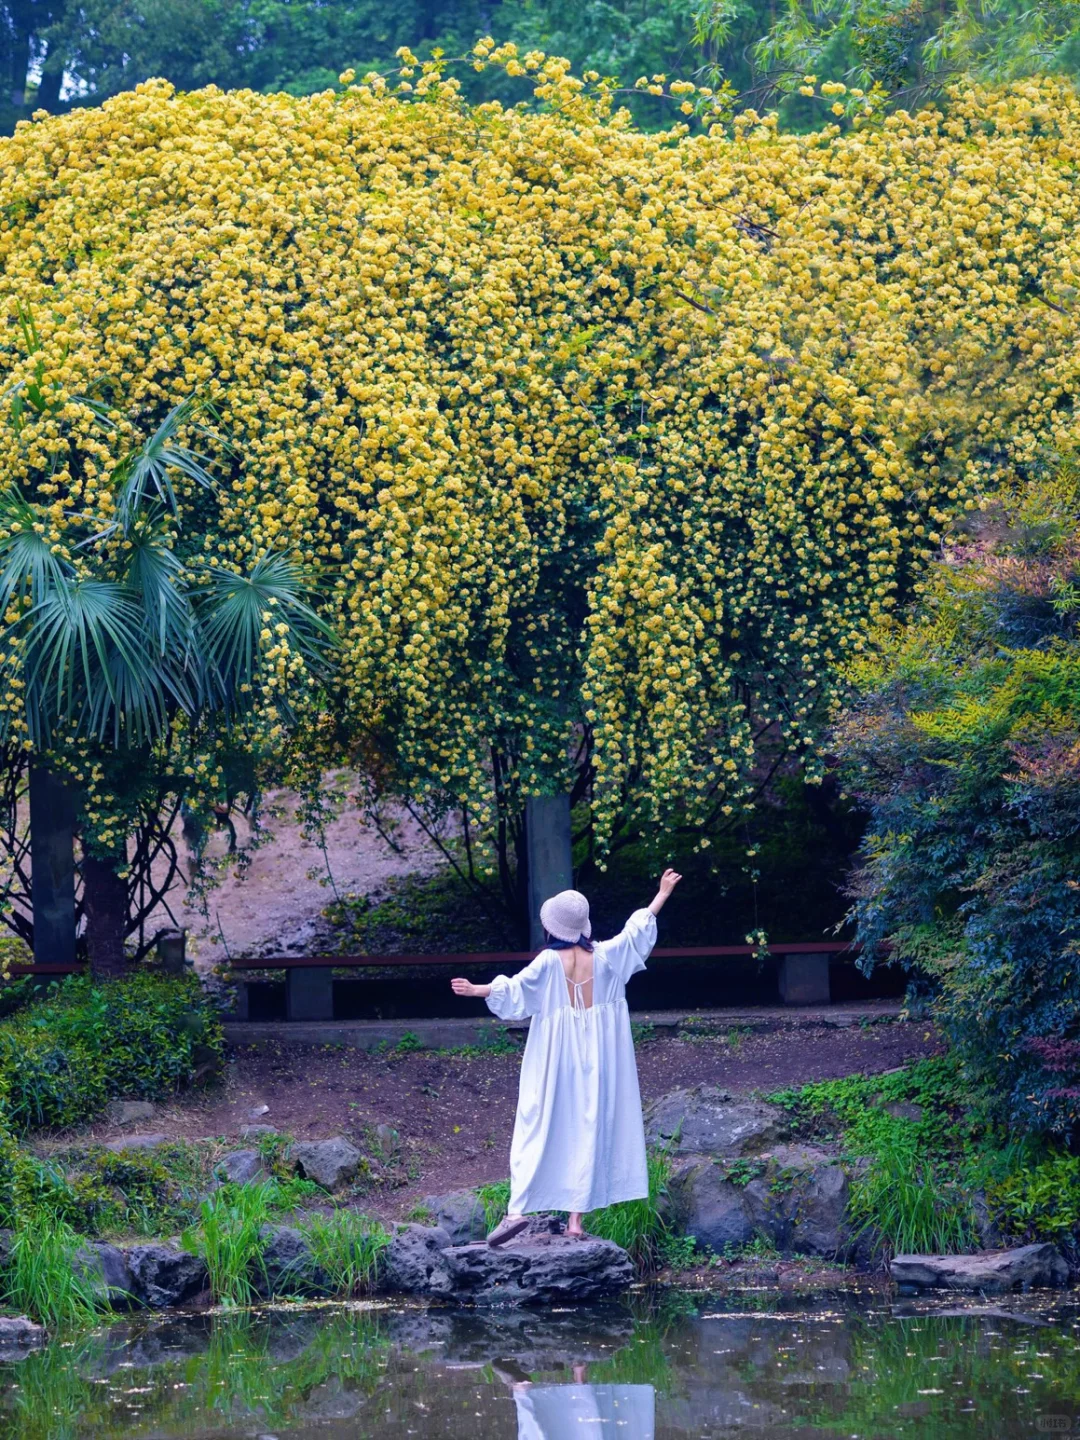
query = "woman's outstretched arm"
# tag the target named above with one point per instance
(466, 987)
(668, 881)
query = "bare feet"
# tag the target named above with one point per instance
(574, 1226)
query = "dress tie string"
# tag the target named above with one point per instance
(577, 1003)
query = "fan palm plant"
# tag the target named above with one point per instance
(112, 636)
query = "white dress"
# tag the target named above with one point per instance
(579, 1141)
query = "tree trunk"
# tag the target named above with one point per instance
(20, 68)
(52, 79)
(52, 860)
(105, 901)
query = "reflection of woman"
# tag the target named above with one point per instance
(579, 1143)
(558, 1412)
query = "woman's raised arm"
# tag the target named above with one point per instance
(668, 881)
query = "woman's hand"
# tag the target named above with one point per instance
(466, 987)
(668, 881)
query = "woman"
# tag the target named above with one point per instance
(579, 1141)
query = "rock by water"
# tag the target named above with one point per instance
(541, 1269)
(165, 1275)
(706, 1120)
(993, 1272)
(288, 1266)
(794, 1196)
(18, 1336)
(460, 1214)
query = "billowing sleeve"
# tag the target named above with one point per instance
(629, 950)
(515, 996)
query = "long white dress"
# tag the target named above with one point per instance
(579, 1141)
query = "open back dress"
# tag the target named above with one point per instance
(579, 1141)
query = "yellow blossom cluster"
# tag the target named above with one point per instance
(605, 444)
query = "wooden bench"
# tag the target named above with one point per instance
(309, 979)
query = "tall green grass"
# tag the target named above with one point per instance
(495, 1198)
(638, 1225)
(347, 1248)
(46, 1278)
(229, 1237)
(904, 1204)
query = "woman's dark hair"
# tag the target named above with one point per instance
(555, 944)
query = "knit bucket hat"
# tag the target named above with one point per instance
(566, 916)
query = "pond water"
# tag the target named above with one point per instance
(668, 1365)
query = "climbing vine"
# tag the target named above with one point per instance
(607, 446)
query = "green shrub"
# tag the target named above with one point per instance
(63, 1058)
(1038, 1199)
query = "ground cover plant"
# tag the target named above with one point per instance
(932, 1171)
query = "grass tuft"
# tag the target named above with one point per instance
(229, 1238)
(347, 1248)
(46, 1278)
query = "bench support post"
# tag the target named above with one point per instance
(804, 980)
(52, 857)
(550, 855)
(309, 993)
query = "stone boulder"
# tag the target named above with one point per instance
(330, 1163)
(460, 1214)
(794, 1196)
(240, 1167)
(288, 1266)
(708, 1121)
(108, 1269)
(18, 1336)
(165, 1275)
(413, 1257)
(540, 1270)
(994, 1272)
(129, 1112)
(137, 1142)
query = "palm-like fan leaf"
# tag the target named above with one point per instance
(146, 471)
(27, 562)
(232, 610)
(86, 663)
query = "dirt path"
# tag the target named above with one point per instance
(454, 1113)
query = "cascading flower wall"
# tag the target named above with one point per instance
(607, 446)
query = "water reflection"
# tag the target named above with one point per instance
(557, 1412)
(666, 1367)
